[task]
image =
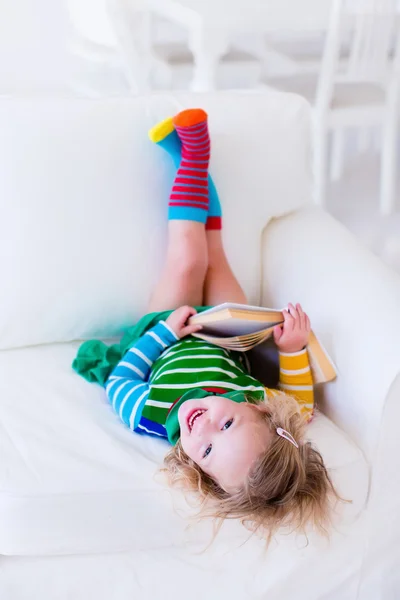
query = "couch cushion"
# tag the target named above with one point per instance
(328, 571)
(73, 479)
(84, 193)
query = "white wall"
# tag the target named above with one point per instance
(33, 44)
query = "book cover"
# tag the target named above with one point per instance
(240, 327)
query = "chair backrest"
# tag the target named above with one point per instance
(373, 25)
(362, 45)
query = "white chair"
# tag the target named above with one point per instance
(110, 45)
(362, 91)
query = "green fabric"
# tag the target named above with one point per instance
(172, 422)
(192, 363)
(96, 360)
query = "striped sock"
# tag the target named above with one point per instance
(189, 194)
(214, 218)
(164, 135)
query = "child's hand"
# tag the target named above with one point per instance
(177, 321)
(293, 334)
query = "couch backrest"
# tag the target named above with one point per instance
(84, 195)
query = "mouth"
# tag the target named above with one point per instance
(193, 416)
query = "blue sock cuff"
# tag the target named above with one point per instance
(183, 213)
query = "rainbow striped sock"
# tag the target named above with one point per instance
(189, 194)
(164, 135)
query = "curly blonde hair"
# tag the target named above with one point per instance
(285, 487)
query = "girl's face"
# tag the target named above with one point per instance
(223, 437)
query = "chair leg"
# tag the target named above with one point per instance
(134, 47)
(389, 162)
(320, 161)
(363, 140)
(338, 139)
(207, 46)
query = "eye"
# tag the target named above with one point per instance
(207, 452)
(227, 425)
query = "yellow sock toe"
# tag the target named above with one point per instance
(161, 130)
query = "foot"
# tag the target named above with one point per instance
(161, 130)
(164, 135)
(190, 117)
(192, 129)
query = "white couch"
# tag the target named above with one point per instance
(83, 220)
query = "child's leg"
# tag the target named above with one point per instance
(182, 279)
(165, 136)
(183, 276)
(220, 284)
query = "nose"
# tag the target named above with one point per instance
(205, 425)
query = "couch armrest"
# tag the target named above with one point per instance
(381, 559)
(353, 301)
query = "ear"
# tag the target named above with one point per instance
(260, 411)
(263, 411)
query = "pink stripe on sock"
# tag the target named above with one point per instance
(184, 172)
(189, 181)
(194, 164)
(200, 205)
(188, 154)
(192, 128)
(194, 138)
(189, 199)
(191, 189)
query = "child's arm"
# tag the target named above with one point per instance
(127, 387)
(295, 377)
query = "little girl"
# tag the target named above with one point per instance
(235, 442)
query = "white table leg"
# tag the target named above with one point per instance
(207, 45)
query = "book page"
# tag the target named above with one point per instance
(235, 327)
(233, 306)
(240, 344)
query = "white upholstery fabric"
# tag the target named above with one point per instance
(85, 196)
(351, 297)
(75, 480)
(314, 572)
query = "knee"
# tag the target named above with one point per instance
(188, 263)
(189, 266)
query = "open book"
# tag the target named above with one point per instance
(240, 327)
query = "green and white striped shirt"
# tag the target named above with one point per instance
(159, 369)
